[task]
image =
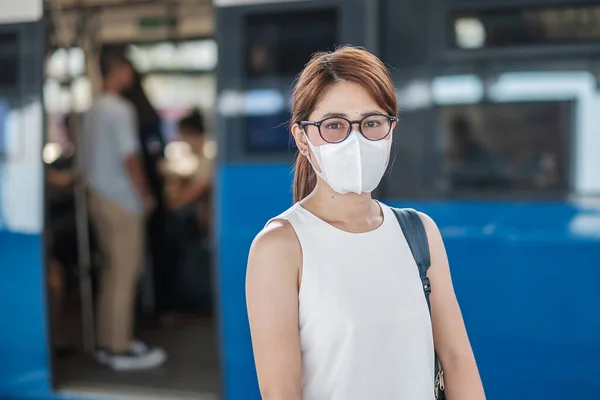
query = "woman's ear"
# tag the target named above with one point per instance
(300, 138)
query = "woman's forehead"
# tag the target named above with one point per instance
(345, 98)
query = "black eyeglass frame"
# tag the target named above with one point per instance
(392, 119)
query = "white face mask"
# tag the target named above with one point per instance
(355, 165)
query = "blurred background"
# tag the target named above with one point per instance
(498, 141)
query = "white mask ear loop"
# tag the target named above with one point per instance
(315, 153)
(304, 150)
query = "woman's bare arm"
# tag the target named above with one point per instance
(272, 282)
(451, 341)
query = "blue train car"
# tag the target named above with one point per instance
(522, 233)
(519, 210)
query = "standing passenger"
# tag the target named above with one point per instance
(336, 305)
(119, 200)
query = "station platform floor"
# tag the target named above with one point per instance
(191, 372)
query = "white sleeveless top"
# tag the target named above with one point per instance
(365, 329)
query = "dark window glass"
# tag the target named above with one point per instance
(280, 44)
(268, 133)
(494, 149)
(9, 59)
(521, 26)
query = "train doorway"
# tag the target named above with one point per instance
(174, 302)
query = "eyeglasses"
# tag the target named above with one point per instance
(337, 129)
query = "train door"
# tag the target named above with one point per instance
(24, 367)
(172, 85)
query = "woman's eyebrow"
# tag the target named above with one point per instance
(371, 113)
(344, 115)
(334, 115)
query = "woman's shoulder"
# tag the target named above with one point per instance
(275, 252)
(278, 232)
(431, 228)
(278, 238)
(279, 229)
(428, 222)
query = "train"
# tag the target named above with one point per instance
(497, 142)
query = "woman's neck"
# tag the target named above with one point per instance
(354, 211)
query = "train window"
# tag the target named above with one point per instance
(495, 28)
(279, 44)
(517, 146)
(486, 150)
(9, 78)
(268, 133)
(9, 60)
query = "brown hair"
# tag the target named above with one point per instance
(348, 63)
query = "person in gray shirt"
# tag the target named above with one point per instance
(119, 201)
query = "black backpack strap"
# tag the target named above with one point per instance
(416, 236)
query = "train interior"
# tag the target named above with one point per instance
(175, 301)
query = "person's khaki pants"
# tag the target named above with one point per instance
(121, 238)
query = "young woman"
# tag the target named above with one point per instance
(336, 306)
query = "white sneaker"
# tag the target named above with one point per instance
(138, 357)
(136, 347)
